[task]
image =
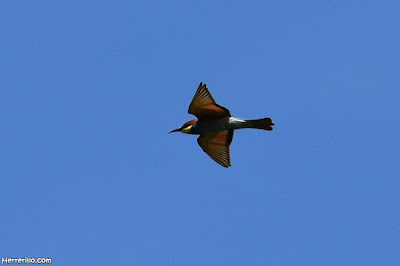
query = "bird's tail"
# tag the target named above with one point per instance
(263, 123)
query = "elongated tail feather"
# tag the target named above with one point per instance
(263, 123)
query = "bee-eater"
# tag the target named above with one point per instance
(215, 125)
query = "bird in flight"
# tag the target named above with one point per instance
(215, 125)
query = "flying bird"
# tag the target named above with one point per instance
(215, 125)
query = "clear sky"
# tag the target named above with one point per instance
(90, 89)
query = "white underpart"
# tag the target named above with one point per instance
(236, 120)
(237, 123)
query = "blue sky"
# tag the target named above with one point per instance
(90, 89)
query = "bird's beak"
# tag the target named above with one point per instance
(175, 130)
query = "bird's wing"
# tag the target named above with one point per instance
(216, 145)
(203, 105)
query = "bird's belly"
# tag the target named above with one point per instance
(213, 125)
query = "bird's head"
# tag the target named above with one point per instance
(185, 128)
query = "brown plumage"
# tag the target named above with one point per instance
(215, 125)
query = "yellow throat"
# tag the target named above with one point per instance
(187, 129)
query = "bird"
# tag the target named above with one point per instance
(215, 125)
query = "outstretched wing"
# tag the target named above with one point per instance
(203, 105)
(216, 145)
